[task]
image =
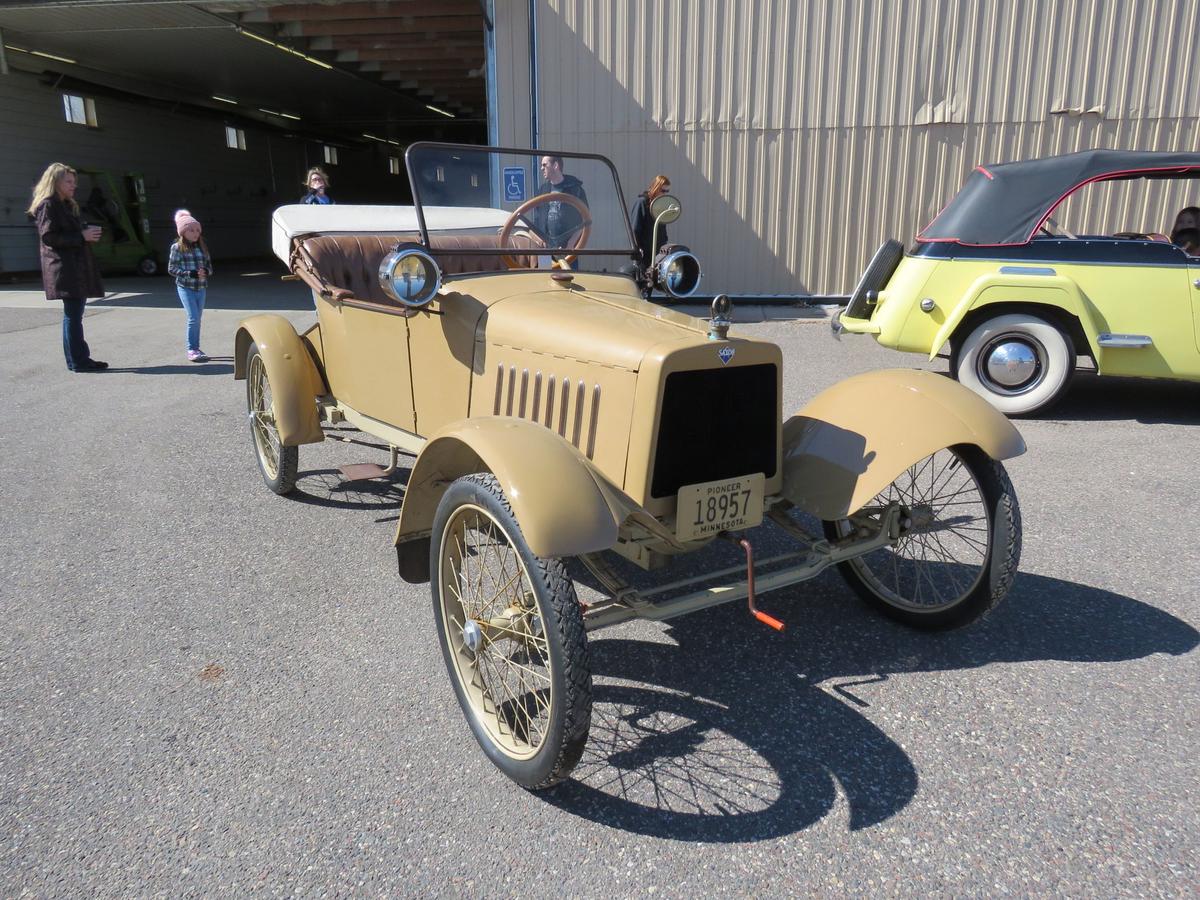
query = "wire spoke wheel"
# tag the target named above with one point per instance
(277, 463)
(959, 547)
(512, 636)
(499, 649)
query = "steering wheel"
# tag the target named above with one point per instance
(580, 232)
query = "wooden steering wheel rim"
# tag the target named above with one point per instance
(580, 207)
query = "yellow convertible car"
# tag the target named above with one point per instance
(568, 433)
(1017, 297)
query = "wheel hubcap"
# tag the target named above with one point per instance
(472, 637)
(1011, 365)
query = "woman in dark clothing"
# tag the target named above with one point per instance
(69, 271)
(643, 222)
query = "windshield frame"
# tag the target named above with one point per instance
(413, 182)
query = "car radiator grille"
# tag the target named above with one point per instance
(570, 408)
(715, 424)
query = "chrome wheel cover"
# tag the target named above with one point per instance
(1012, 363)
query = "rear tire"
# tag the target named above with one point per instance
(1018, 363)
(277, 463)
(147, 266)
(959, 560)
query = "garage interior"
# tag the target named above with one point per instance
(343, 85)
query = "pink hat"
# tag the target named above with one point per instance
(183, 219)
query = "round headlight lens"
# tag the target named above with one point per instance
(409, 275)
(679, 274)
(409, 278)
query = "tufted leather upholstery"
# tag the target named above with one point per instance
(348, 264)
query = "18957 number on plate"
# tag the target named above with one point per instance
(727, 505)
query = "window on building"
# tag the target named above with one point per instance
(474, 180)
(80, 110)
(330, 155)
(235, 138)
(393, 165)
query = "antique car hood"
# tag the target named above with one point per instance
(598, 319)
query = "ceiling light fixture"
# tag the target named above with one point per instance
(306, 58)
(61, 59)
(224, 99)
(441, 112)
(381, 140)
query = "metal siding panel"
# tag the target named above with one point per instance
(790, 129)
(512, 72)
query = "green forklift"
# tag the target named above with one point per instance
(117, 203)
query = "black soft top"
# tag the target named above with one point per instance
(1007, 203)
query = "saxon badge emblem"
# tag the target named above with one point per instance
(726, 354)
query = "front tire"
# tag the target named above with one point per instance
(277, 463)
(957, 558)
(1018, 363)
(512, 636)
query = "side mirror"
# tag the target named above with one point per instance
(665, 209)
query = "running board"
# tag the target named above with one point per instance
(362, 471)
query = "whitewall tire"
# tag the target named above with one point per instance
(1017, 362)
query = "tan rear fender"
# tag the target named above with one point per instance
(855, 438)
(295, 381)
(564, 506)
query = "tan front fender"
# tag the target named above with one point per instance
(295, 381)
(855, 438)
(562, 503)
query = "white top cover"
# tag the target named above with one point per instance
(296, 219)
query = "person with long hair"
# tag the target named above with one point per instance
(317, 183)
(191, 264)
(69, 271)
(643, 222)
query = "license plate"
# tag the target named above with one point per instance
(726, 505)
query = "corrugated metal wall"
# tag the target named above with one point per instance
(801, 133)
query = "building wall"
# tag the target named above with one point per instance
(799, 134)
(183, 158)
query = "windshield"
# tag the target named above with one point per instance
(543, 204)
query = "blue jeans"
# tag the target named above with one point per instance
(75, 348)
(193, 302)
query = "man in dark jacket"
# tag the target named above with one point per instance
(558, 221)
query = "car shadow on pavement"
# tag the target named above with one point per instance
(1150, 401)
(328, 487)
(736, 733)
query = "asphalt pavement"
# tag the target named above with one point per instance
(206, 689)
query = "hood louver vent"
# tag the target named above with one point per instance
(557, 403)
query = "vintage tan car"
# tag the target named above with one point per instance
(496, 330)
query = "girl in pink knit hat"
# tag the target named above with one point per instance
(191, 265)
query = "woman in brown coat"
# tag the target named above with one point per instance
(69, 270)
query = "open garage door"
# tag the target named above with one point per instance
(224, 105)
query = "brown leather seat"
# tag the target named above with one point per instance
(347, 265)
